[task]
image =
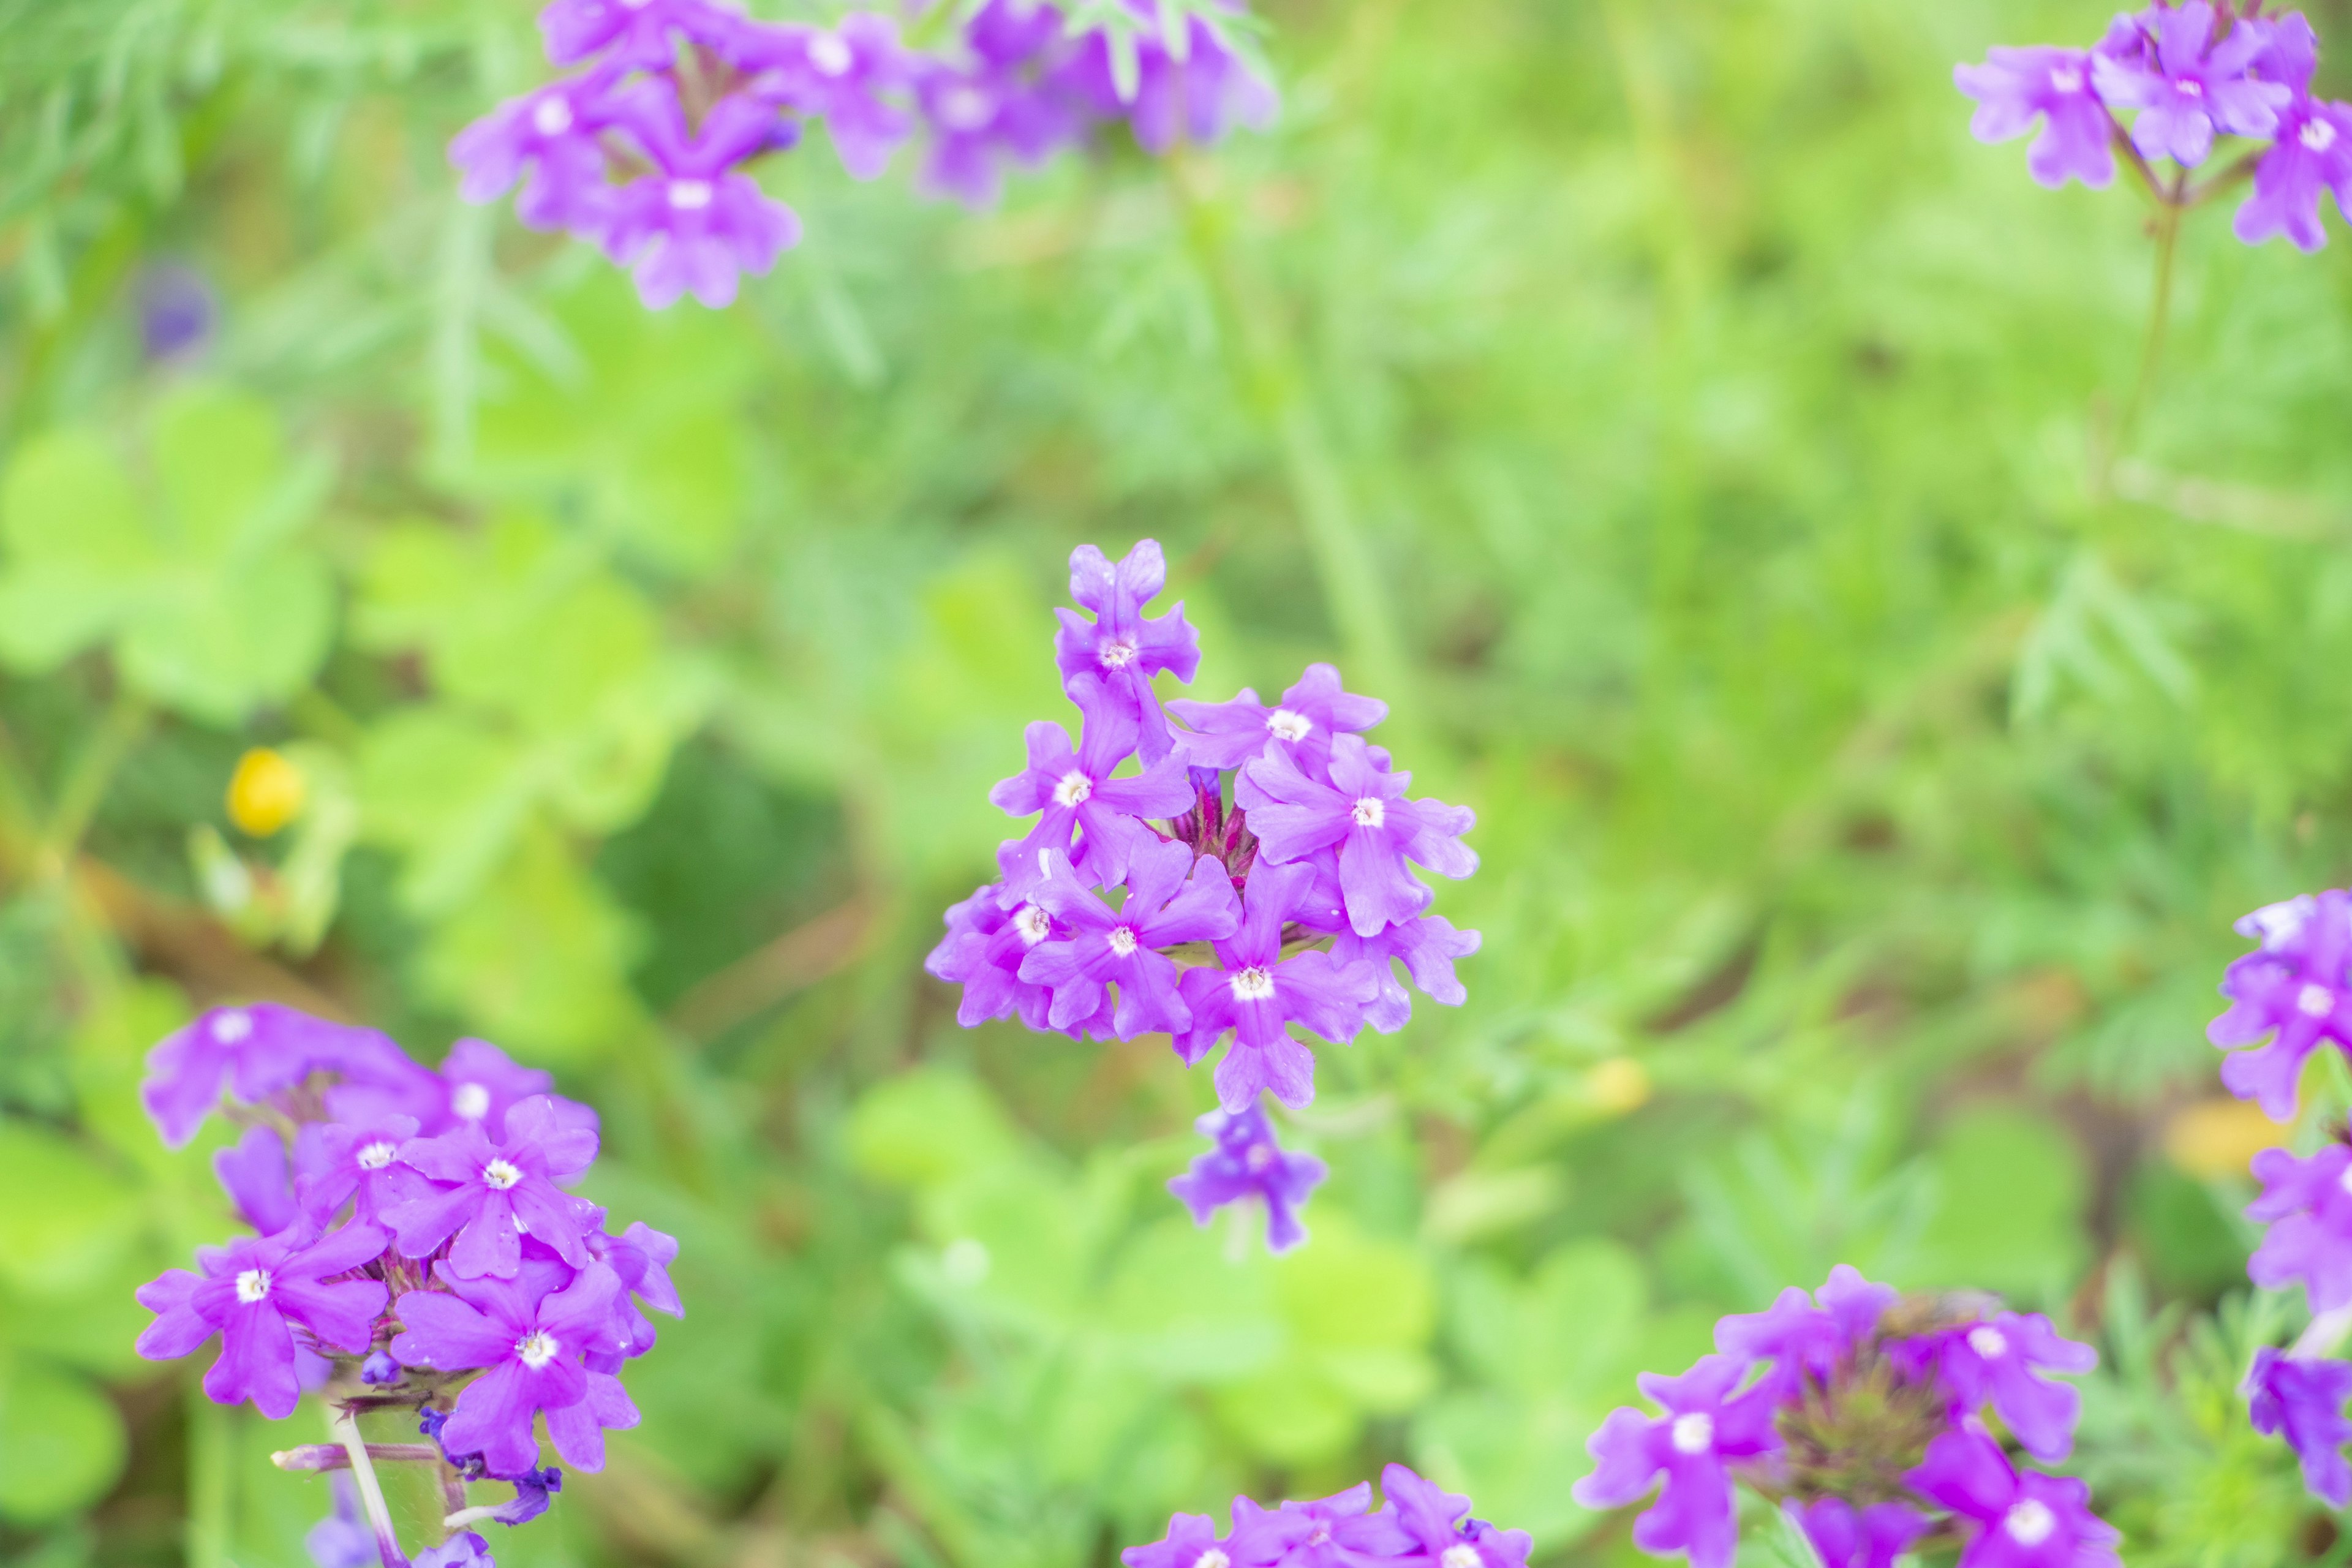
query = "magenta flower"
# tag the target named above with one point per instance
(254, 1293)
(1808, 1337)
(1245, 1164)
(251, 1053)
(486, 1186)
(1362, 810)
(1122, 648)
(1435, 1521)
(2015, 88)
(1427, 947)
(529, 1343)
(340, 1163)
(2307, 1203)
(1259, 995)
(2295, 988)
(1707, 1429)
(2191, 87)
(1227, 734)
(548, 140)
(1194, 100)
(1848, 1536)
(2000, 1361)
(980, 118)
(639, 1258)
(2028, 1520)
(1338, 1532)
(1163, 909)
(634, 35)
(982, 953)
(2311, 158)
(255, 1173)
(1075, 792)
(2305, 1399)
(694, 226)
(1191, 1541)
(849, 77)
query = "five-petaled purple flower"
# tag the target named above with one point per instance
(2017, 1520)
(2190, 86)
(484, 1187)
(1849, 1537)
(1171, 899)
(1076, 791)
(1243, 1163)
(1708, 1426)
(2294, 987)
(2016, 87)
(1227, 734)
(1108, 663)
(254, 1293)
(2307, 1203)
(251, 1053)
(1996, 1363)
(1362, 810)
(2305, 1399)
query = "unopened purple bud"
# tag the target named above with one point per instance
(532, 1492)
(380, 1368)
(178, 312)
(1205, 781)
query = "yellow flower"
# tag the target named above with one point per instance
(266, 793)
(2219, 1137)
(1618, 1084)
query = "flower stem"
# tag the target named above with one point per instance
(345, 1427)
(2325, 1334)
(331, 1456)
(210, 1480)
(93, 769)
(2159, 317)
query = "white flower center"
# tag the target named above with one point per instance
(2029, 1522)
(1988, 1341)
(1213, 1558)
(232, 1027)
(830, 55)
(377, 1156)
(552, 118)
(2318, 135)
(1461, 1554)
(1694, 1433)
(689, 195)
(1118, 653)
(2314, 1002)
(252, 1285)
(1259, 1157)
(2344, 1181)
(969, 108)
(1122, 940)
(1285, 725)
(470, 1101)
(2066, 79)
(1370, 812)
(2187, 90)
(536, 1349)
(1252, 985)
(1034, 925)
(500, 1175)
(1075, 789)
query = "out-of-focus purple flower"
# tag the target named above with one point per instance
(1432, 1519)
(1074, 791)
(695, 226)
(464, 1550)
(1171, 899)
(1848, 1536)
(178, 312)
(1855, 1304)
(2001, 1362)
(1227, 734)
(343, 1539)
(1245, 1164)
(2190, 87)
(1427, 946)
(340, 1163)
(251, 1053)
(2307, 1203)
(982, 118)
(2294, 986)
(1196, 98)
(2021, 1521)
(1122, 648)
(253, 1293)
(487, 1186)
(640, 1258)
(1808, 1337)
(484, 1083)
(1362, 810)
(2305, 1400)
(2015, 88)
(1338, 1532)
(632, 34)
(1259, 995)
(549, 140)
(1707, 1429)
(982, 953)
(529, 1346)
(1191, 1541)
(849, 77)
(254, 1172)
(2311, 158)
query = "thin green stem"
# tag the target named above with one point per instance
(210, 1480)
(87, 781)
(2160, 318)
(345, 1427)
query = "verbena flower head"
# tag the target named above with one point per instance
(1837, 1406)
(2294, 990)
(1419, 1524)
(415, 1244)
(1239, 876)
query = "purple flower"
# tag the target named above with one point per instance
(179, 313)
(464, 1550)
(1432, 1519)
(2294, 985)
(2311, 158)
(639, 1258)
(1337, 1532)
(694, 226)
(982, 953)
(1847, 1537)
(379, 1368)
(1362, 811)
(254, 1293)
(2306, 1400)
(487, 1186)
(2307, 1203)
(1227, 734)
(1427, 946)
(1122, 648)
(341, 1161)
(1191, 1541)
(1997, 1362)
(2189, 88)
(980, 118)
(534, 1494)
(343, 1539)
(1194, 98)
(252, 1053)
(637, 34)
(1243, 1163)
(1258, 993)
(2014, 88)
(548, 140)
(1799, 1339)
(1074, 791)
(529, 1346)
(849, 77)
(1163, 909)
(2028, 1520)
(1705, 1429)
(254, 1172)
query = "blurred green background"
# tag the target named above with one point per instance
(1704, 445)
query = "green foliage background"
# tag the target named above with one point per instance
(1704, 445)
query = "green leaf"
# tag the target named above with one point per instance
(218, 456)
(66, 1213)
(924, 1129)
(2011, 1189)
(61, 1442)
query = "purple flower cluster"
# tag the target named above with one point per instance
(1865, 1415)
(1285, 901)
(1419, 1525)
(2189, 75)
(642, 152)
(414, 1249)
